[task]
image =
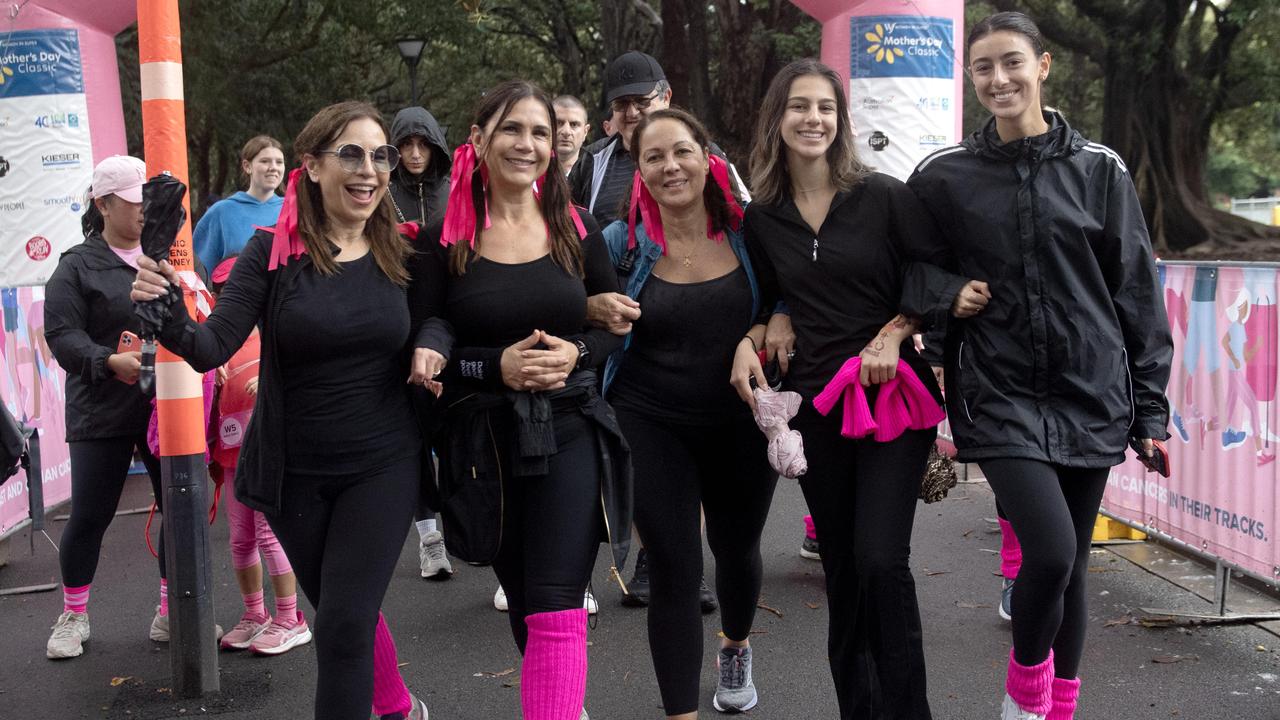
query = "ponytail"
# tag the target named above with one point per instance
(92, 221)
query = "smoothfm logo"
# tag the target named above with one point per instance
(57, 161)
(67, 201)
(58, 120)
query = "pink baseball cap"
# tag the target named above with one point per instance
(119, 175)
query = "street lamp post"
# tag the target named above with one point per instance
(411, 52)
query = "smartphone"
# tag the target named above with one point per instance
(128, 343)
(1158, 461)
(772, 372)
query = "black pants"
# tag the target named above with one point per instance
(551, 526)
(98, 471)
(862, 495)
(725, 471)
(1052, 510)
(343, 535)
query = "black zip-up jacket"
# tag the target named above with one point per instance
(86, 308)
(421, 198)
(1071, 356)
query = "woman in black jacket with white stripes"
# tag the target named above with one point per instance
(1061, 352)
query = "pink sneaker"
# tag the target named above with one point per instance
(278, 639)
(245, 631)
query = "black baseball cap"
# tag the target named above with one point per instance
(632, 73)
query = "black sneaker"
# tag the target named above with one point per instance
(637, 594)
(707, 598)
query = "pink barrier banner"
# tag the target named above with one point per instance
(1221, 497)
(32, 388)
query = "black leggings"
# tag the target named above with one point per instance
(343, 535)
(551, 526)
(98, 472)
(862, 495)
(1052, 510)
(724, 470)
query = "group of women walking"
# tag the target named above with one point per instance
(555, 429)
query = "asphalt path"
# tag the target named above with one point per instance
(456, 650)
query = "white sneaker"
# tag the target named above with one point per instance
(589, 603)
(432, 559)
(160, 628)
(1011, 711)
(500, 600)
(70, 633)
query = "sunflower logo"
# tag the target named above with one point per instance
(883, 54)
(5, 74)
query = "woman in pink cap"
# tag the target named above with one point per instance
(86, 311)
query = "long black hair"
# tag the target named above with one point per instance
(92, 221)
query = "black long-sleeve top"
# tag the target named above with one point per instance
(493, 305)
(332, 396)
(844, 283)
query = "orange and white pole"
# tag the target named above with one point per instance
(179, 391)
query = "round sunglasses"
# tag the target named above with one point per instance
(351, 157)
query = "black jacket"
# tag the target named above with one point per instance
(86, 307)
(1072, 354)
(253, 296)
(421, 198)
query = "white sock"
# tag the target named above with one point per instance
(425, 527)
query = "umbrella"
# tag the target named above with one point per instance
(786, 448)
(163, 215)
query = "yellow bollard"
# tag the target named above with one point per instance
(1104, 528)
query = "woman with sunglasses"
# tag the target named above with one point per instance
(510, 270)
(332, 455)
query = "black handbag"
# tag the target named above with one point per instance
(470, 478)
(13, 446)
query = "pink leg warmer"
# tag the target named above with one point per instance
(1030, 687)
(164, 597)
(1065, 692)
(553, 680)
(1010, 550)
(389, 692)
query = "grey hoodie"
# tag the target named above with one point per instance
(421, 198)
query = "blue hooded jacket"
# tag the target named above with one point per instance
(228, 225)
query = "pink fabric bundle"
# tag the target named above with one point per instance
(651, 217)
(786, 447)
(903, 403)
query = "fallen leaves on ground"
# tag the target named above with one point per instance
(498, 674)
(773, 610)
(1169, 659)
(118, 681)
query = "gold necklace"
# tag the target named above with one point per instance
(688, 258)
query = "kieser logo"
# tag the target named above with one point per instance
(58, 120)
(878, 141)
(60, 160)
(931, 140)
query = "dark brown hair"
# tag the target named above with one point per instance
(712, 194)
(770, 178)
(256, 144)
(562, 234)
(389, 249)
(1014, 22)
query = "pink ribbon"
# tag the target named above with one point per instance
(460, 213)
(286, 242)
(651, 216)
(903, 403)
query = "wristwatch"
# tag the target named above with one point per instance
(584, 354)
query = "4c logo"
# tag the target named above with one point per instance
(878, 48)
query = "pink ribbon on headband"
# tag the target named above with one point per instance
(460, 213)
(903, 403)
(286, 243)
(651, 216)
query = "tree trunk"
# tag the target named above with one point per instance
(686, 57)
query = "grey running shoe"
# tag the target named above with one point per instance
(734, 692)
(1009, 710)
(809, 549)
(70, 634)
(1006, 599)
(432, 559)
(418, 711)
(706, 597)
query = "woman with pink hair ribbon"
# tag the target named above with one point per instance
(694, 446)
